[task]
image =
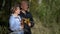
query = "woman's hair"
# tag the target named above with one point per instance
(14, 8)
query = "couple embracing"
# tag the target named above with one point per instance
(21, 19)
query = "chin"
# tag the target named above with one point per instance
(18, 13)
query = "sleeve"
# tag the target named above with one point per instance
(13, 25)
(31, 20)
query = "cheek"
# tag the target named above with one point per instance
(18, 11)
(25, 7)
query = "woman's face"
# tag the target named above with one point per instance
(24, 5)
(17, 10)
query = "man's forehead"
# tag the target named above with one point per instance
(24, 2)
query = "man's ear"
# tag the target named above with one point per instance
(28, 10)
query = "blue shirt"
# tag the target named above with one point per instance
(15, 23)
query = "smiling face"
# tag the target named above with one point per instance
(24, 5)
(17, 11)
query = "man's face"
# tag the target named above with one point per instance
(24, 5)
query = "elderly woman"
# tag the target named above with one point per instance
(15, 21)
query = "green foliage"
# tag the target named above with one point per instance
(48, 13)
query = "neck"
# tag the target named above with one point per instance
(15, 14)
(24, 11)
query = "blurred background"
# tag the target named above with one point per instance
(46, 15)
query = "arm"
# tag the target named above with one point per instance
(31, 20)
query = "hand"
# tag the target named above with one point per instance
(29, 24)
(22, 27)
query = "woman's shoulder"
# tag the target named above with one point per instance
(11, 16)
